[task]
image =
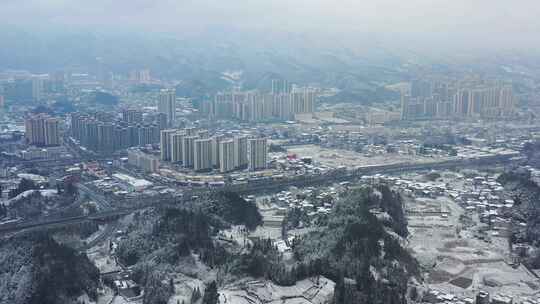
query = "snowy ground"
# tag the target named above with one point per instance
(183, 288)
(105, 296)
(267, 232)
(460, 263)
(271, 227)
(236, 233)
(258, 292)
(96, 234)
(101, 257)
(338, 157)
(45, 193)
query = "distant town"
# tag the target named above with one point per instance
(285, 192)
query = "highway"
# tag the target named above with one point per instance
(108, 231)
(305, 181)
(101, 201)
(108, 212)
(53, 223)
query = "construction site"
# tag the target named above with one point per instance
(459, 253)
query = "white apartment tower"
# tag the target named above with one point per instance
(167, 105)
(188, 151)
(257, 153)
(202, 159)
(176, 147)
(240, 152)
(165, 143)
(226, 156)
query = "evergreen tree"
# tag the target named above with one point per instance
(195, 295)
(171, 285)
(211, 295)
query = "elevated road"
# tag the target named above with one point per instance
(252, 188)
(101, 201)
(349, 175)
(53, 223)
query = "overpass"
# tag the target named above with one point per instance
(58, 222)
(348, 175)
(257, 187)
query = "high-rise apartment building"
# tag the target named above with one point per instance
(309, 101)
(203, 133)
(226, 156)
(140, 76)
(38, 83)
(442, 100)
(165, 143)
(215, 149)
(105, 133)
(257, 153)
(281, 86)
(90, 134)
(167, 105)
(282, 103)
(421, 88)
(42, 130)
(188, 151)
(240, 152)
(132, 116)
(302, 101)
(176, 146)
(132, 135)
(148, 135)
(147, 162)
(161, 121)
(202, 160)
(121, 137)
(283, 107)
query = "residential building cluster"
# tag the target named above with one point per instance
(42, 130)
(481, 297)
(167, 105)
(195, 149)
(283, 103)
(481, 195)
(440, 100)
(50, 153)
(102, 132)
(145, 161)
(33, 88)
(141, 76)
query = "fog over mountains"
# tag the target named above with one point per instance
(363, 63)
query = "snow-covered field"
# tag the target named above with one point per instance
(44, 193)
(257, 292)
(452, 257)
(102, 259)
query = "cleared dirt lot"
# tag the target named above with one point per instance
(308, 291)
(338, 157)
(455, 260)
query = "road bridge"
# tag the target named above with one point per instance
(258, 187)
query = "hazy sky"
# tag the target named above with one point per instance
(489, 22)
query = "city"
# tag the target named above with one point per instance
(207, 168)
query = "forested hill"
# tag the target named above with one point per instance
(164, 238)
(356, 250)
(359, 247)
(526, 195)
(35, 269)
(181, 231)
(234, 209)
